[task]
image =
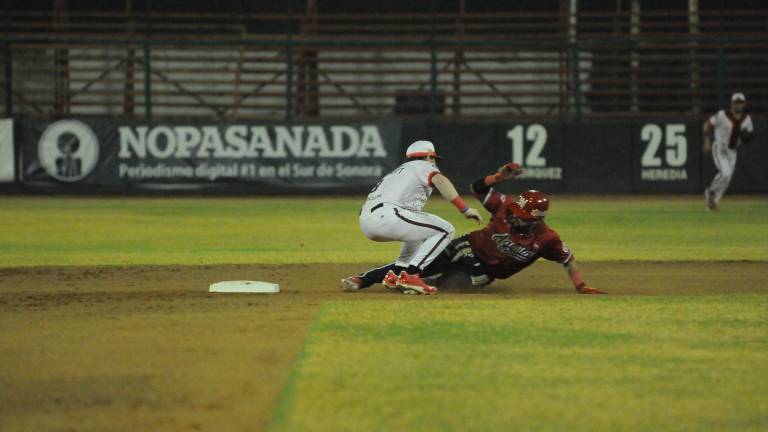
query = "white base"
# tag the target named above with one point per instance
(244, 287)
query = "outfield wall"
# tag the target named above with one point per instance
(617, 156)
(7, 157)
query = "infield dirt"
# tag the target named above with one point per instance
(148, 348)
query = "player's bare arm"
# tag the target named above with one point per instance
(448, 191)
(578, 282)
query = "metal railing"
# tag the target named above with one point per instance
(605, 24)
(307, 79)
(150, 66)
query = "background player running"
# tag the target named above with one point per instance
(515, 238)
(392, 212)
(732, 129)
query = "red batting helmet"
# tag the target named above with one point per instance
(530, 205)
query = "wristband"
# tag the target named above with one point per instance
(578, 282)
(459, 203)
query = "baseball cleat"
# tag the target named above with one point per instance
(412, 284)
(351, 283)
(390, 280)
(710, 197)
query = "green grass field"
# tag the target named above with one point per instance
(71, 231)
(559, 362)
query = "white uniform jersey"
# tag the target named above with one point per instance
(727, 128)
(393, 212)
(408, 186)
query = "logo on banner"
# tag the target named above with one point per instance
(330, 153)
(68, 150)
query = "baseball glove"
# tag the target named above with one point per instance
(745, 136)
(508, 171)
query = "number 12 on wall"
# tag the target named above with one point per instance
(536, 134)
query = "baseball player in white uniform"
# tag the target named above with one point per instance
(732, 129)
(393, 212)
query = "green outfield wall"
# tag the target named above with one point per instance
(618, 156)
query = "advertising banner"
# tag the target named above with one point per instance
(473, 150)
(666, 156)
(281, 158)
(468, 151)
(599, 157)
(608, 156)
(538, 148)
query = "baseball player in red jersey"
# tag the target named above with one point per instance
(514, 239)
(732, 129)
(516, 235)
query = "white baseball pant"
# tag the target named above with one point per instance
(424, 235)
(725, 161)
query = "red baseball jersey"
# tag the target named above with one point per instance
(506, 252)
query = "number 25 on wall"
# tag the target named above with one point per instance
(676, 144)
(535, 133)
